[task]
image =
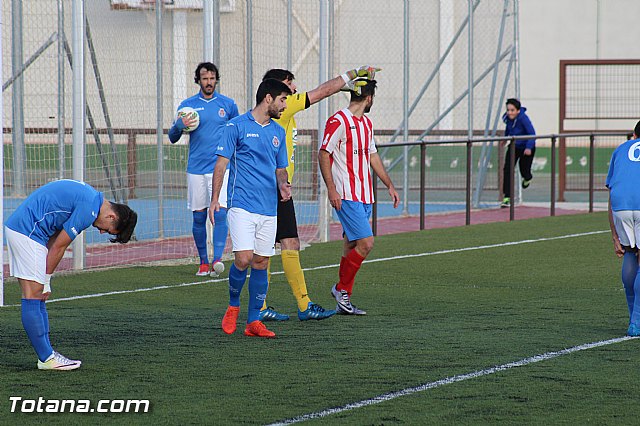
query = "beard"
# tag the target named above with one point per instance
(274, 112)
(208, 90)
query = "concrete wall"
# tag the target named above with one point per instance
(551, 30)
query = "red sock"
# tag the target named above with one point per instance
(349, 267)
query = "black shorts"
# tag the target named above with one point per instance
(287, 225)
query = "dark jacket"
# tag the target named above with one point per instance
(520, 126)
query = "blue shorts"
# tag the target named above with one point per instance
(354, 217)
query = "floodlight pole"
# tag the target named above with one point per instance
(79, 111)
(17, 102)
(159, 116)
(485, 153)
(325, 212)
(207, 30)
(61, 114)
(249, 58)
(470, 115)
(405, 110)
(1, 176)
(211, 30)
(289, 34)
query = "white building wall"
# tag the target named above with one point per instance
(551, 30)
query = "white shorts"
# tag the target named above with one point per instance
(199, 189)
(251, 231)
(27, 258)
(627, 223)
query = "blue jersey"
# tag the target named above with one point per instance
(62, 204)
(624, 175)
(214, 114)
(254, 152)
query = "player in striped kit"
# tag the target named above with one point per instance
(347, 153)
(215, 111)
(287, 232)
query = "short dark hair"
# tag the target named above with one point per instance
(278, 74)
(125, 223)
(207, 66)
(513, 101)
(366, 90)
(272, 87)
(636, 130)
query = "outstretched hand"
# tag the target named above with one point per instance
(368, 71)
(358, 77)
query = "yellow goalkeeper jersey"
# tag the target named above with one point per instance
(295, 103)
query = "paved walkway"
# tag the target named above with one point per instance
(103, 256)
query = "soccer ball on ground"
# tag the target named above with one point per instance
(190, 113)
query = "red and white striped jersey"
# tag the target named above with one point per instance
(349, 140)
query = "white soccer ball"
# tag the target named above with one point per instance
(218, 268)
(190, 113)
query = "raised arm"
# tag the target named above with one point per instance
(325, 90)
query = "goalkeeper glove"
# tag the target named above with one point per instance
(366, 71)
(356, 78)
(355, 85)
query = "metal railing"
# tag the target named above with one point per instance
(469, 142)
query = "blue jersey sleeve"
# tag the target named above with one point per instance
(229, 141)
(80, 219)
(611, 169)
(175, 132)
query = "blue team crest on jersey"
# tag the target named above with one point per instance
(275, 141)
(222, 112)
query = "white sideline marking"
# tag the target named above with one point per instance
(408, 391)
(382, 259)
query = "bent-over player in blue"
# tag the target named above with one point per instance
(38, 233)
(215, 111)
(624, 220)
(255, 146)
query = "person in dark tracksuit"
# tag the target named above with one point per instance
(518, 124)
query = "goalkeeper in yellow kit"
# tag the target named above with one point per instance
(287, 232)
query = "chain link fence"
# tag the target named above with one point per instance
(123, 77)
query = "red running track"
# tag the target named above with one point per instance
(110, 255)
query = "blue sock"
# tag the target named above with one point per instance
(236, 282)
(34, 326)
(220, 231)
(258, 286)
(635, 315)
(199, 230)
(45, 320)
(629, 272)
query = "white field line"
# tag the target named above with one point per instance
(408, 391)
(335, 265)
